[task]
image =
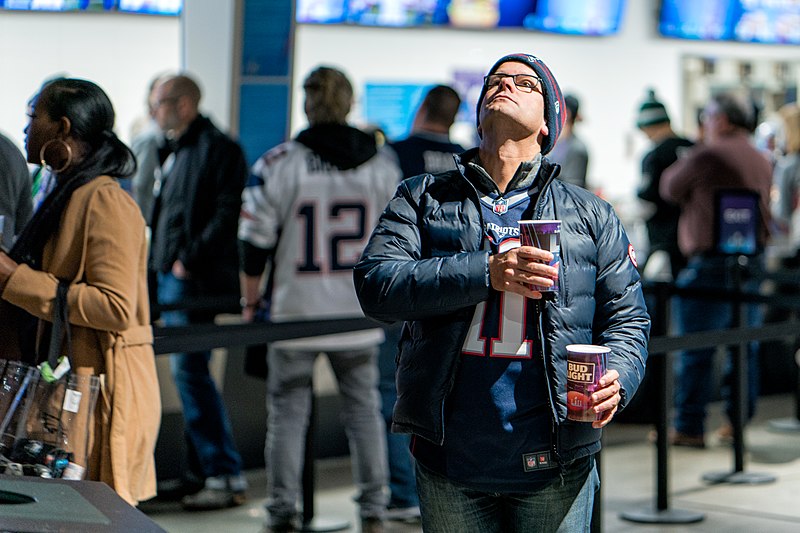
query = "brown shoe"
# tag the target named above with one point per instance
(677, 438)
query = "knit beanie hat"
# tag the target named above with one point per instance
(651, 111)
(554, 111)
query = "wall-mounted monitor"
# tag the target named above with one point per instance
(576, 17)
(753, 21)
(150, 7)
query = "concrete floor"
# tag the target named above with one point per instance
(628, 468)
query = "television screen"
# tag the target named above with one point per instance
(757, 21)
(391, 106)
(152, 7)
(579, 17)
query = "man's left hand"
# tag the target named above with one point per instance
(606, 399)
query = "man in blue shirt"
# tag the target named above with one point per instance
(429, 148)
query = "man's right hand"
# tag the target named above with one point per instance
(516, 269)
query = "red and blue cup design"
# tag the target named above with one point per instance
(586, 364)
(546, 235)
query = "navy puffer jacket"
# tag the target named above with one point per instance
(424, 265)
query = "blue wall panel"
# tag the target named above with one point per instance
(262, 121)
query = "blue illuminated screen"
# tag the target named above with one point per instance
(577, 17)
(150, 7)
(755, 21)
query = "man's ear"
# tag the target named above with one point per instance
(543, 132)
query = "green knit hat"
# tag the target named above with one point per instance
(651, 111)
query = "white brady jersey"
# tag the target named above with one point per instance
(320, 218)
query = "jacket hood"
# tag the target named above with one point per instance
(340, 145)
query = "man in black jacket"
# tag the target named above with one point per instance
(482, 365)
(16, 204)
(194, 253)
(662, 224)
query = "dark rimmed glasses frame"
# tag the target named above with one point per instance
(524, 82)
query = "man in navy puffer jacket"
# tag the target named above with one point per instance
(481, 370)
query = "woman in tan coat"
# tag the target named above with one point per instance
(90, 234)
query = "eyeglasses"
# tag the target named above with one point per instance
(526, 83)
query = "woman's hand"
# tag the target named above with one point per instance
(7, 267)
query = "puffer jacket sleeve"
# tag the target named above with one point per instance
(396, 279)
(621, 319)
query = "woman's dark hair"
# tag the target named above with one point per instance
(91, 116)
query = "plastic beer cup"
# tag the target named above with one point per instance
(586, 364)
(546, 235)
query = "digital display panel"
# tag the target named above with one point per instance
(578, 17)
(737, 222)
(754, 21)
(150, 7)
(391, 106)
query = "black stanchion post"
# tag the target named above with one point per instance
(739, 388)
(311, 522)
(665, 397)
(660, 365)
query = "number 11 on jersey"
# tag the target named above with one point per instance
(502, 321)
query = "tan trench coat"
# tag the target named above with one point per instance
(102, 249)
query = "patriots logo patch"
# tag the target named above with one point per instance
(632, 255)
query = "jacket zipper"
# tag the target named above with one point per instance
(539, 306)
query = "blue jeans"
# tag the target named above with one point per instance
(289, 389)
(694, 368)
(402, 480)
(562, 508)
(206, 423)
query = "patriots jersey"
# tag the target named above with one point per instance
(318, 219)
(500, 332)
(497, 425)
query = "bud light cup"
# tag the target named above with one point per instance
(586, 364)
(546, 235)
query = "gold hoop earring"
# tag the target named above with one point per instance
(69, 155)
